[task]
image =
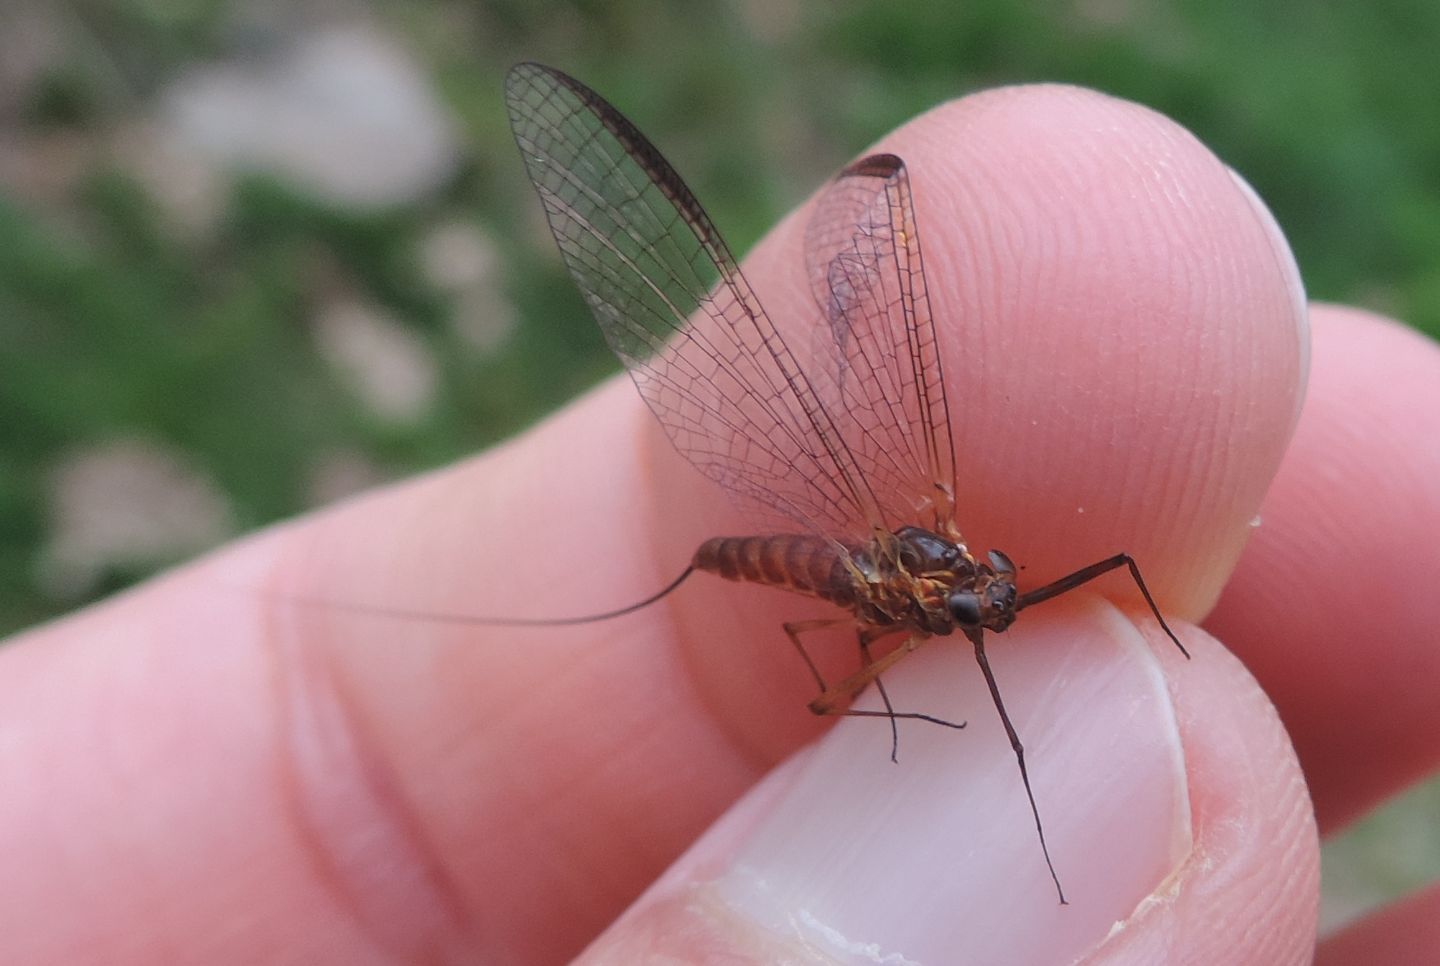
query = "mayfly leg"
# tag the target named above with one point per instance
(835, 700)
(794, 629)
(977, 638)
(867, 636)
(1086, 574)
(830, 699)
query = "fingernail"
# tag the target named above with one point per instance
(936, 858)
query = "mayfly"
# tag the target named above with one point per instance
(842, 453)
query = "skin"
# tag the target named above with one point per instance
(205, 774)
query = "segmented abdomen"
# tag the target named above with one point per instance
(803, 564)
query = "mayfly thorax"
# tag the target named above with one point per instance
(830, 451)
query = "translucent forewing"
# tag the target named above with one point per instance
(876, 362)
(673, 305)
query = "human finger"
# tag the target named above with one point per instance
(1173, 806)
(1406, 933)
(1333, 605)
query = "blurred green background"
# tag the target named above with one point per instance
(254, 256)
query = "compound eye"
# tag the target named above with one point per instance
(965, 608)
(1001, 563)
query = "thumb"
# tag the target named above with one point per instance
(1170, 796)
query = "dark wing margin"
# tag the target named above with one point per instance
(877, 363)
(672, 304)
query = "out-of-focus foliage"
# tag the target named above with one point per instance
(123, 320)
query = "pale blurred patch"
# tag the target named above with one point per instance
(341, 473)
(464, 262)
(184, 181)
(43, 169)
(387, 367)
(772, 20)
(127, 503)
(343, 113)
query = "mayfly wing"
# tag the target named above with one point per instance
(877, 363)
(674, 307)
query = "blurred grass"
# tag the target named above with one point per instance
(114, 324)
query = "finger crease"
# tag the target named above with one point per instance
(367, 845)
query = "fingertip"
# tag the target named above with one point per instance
(1171, 800)
(1139, 359)
(1122, 325)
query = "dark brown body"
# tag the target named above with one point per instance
(901, 580)
(806, 565)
